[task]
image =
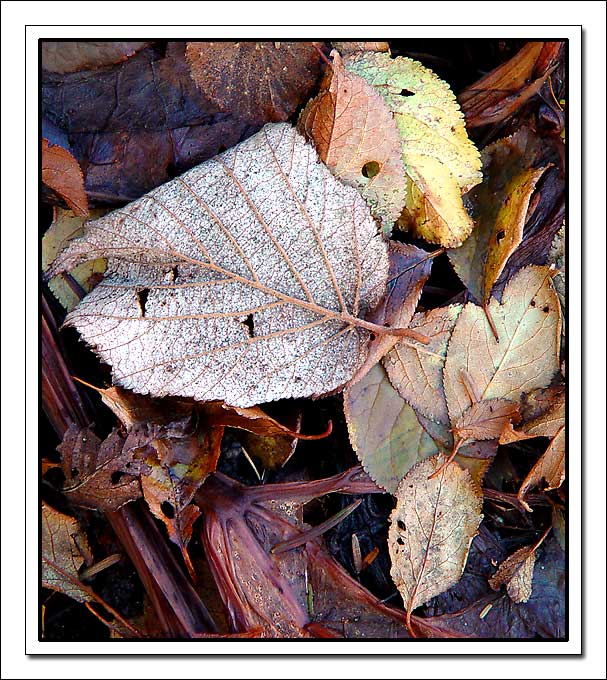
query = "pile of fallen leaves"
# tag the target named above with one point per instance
(321, 392)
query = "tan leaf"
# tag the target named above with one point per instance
(485, 419)
(384, 430)
(516, 572)
(550, 467)
(69, 57)
(62, 174)
(244, 280)
(257, 81)
(499, 206)
(431, 530)
(98, 475)
(526, 356)
(355, 134)
(409, 270)
(502, 91)
(351, 47)
(548, 423)
(63, 545)
(416, 370)
(440, 161)
(69, 288)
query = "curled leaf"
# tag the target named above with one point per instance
(550, 467)
(431, 530)
(244, 280)
(355, 134)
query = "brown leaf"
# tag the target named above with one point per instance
(526, 356)
(499, 206)
(134, 125)
(62, 174)
(354, 133)
(369, 46)
(409, 270)
(63, 549)
(257, 81)
(98, 475)
(68, 57)
(416, 370)
(485, 419)
(242, 281)
(516, 572)
(505, 89)
(431, 530)
(550, 467)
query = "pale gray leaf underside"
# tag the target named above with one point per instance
(242, 280)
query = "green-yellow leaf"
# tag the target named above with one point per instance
(440, 160)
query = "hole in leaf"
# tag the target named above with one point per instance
(370, 169)
(167, 509)
(174, 273)
(142, 298)
(250, 324)
(116, 476)
(546, 309)
(532, 303)
(401, 525)
(400, 541)
(406, 93)
(500, 235)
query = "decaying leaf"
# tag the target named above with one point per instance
(258, 81)
(516, 572)
(64, 548)
(242, 281)
(440, 161)
(62, 174)
(526, 356)
(431, 529)
(483, 420)
(502, 91)
(499, 206)
(369, 46)
(98, 475)
(409, 270)
(550, 467)
(69, 288)
(416, 370)
(354, 133)
(69, 57)
(384, 430)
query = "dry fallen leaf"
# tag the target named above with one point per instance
(244, 280)
(351, 47)
(64, 548)
(440, 161)
(431, 530)
(258, 81)
(516, 572)
(98, 475)
(501, 92)
(69, 57)
(499, 207)
(69, 288)
(62, 174)
(484, 420)
(354, 133)
(526, 356)
(550, 467)
(416, 370)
